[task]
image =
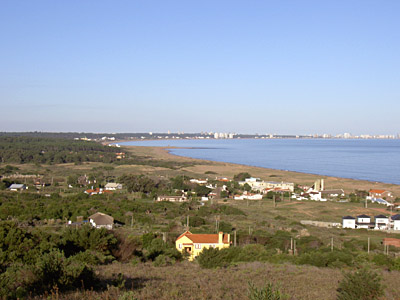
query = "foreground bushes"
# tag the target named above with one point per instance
(363, 284)
(51, 270)
(34, 261)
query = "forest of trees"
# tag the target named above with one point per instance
(22, 150)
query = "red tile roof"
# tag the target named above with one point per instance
(377, 191)
(204, 238)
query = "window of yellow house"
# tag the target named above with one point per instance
(197, 246)
(180, 246)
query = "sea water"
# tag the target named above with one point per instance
(371, 159)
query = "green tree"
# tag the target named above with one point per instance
(363, 284)
(241, 176)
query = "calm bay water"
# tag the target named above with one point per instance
(374, 160)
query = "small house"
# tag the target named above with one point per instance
(113, 186)
(380, 194)
(193, 244)
(364, 221)
(172, 198)
(395, 221)
(333, 193)
(17, 187)
(349, 222)
(100, 220)
(381, 222)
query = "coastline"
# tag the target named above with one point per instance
(225, 169)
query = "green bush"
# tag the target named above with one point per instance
(211, 258)
(363, 284)
(54, 269)
(163, 260)
(326, 259)
(266, 293)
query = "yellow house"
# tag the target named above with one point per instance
(195, 243)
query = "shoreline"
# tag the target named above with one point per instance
(268, 174)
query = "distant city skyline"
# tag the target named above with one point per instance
(306, 67)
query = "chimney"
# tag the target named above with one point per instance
(220, 237)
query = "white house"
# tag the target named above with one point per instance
(112, 186)
(363, 221)
(396, 221)
(172, 198)
(265, 186)
(100, 220)
(248, 196)
(18, 187)
(349, 222)
(199, 181)
(381, 222)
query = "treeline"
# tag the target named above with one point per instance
(53, 151)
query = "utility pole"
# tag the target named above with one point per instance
(187, 223)
(132, 221)
(291, 252)
(366, 203)
(368, 244)
(274, 200)
(332, 244)
(234, 238)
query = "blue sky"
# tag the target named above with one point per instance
(287, 67)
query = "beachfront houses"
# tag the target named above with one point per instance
(381, 222)
(259, 185)
(192, 244)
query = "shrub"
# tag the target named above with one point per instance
(363, 284)
(53, 269)
(163, 260)
(266, 293)
(211, 258)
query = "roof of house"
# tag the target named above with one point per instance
(172, 197)
(17, 186)
(348, 218)
(204, 238)
(337, 191)
(377, 191)
(112, 185)
(102, 219)
(381, 217)
(395, 217)
(363, 216)
(93, 191)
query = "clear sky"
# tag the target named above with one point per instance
(286, 67)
